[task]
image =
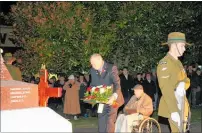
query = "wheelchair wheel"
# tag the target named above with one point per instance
(149, 125)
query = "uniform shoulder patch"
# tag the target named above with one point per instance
(162, 62)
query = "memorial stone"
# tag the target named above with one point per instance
(23, 105)
(16, 94)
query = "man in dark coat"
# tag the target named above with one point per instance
(138, 79)
(149, 87)
(103, 73)
(127, 84)
(195, 86)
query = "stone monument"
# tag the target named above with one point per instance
(23, 105)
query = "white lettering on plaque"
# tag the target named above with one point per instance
(18, 94)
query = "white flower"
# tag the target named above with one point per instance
(93, 89)
(102, 90)
(109, 87)
(100, 86)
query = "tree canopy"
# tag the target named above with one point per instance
(142, 27)
(63, 35)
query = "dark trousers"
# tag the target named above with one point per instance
(82, 107)
(188, 95)
(201, 96)
(107, 119)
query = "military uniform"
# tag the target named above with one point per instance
(170, 72)
(15, 72)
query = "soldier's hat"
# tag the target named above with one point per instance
(175, 37)
(9, 56)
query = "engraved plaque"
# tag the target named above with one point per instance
(16, 95)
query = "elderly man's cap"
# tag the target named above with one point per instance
(138, 86)
(175, 37)
(71, 77)
(9, 56)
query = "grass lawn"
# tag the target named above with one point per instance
(91, 122)
(196, 115)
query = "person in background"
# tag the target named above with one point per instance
(13, 70)
(126, 85)
(199, 72)
(88, 79)
(71, 102)
(150, 88)
(24, 78)
(188, 91)
(90, 111)
(76, 78)
(189, 70)
(51, 82)
(195, 84)
(37, 80)
(143, 76)
(120, 72)
(83, 86)
(51, 101)
(158, 91)
(32, 80)
(185, 67)
(138, 79)
(60, 83)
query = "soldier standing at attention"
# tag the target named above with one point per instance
(14, 71)
(173, 83)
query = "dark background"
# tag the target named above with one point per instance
(5, 7)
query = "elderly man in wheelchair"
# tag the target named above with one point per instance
(136, 113)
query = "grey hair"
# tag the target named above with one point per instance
(95, 55)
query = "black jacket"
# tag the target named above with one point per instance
(136, 81)
(195, 80)
(149, 88)
(126, 85)
(109, 76)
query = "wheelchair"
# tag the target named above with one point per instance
(147, 125)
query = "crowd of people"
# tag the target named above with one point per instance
(137, 94)
(194, 94)
(75, 86)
